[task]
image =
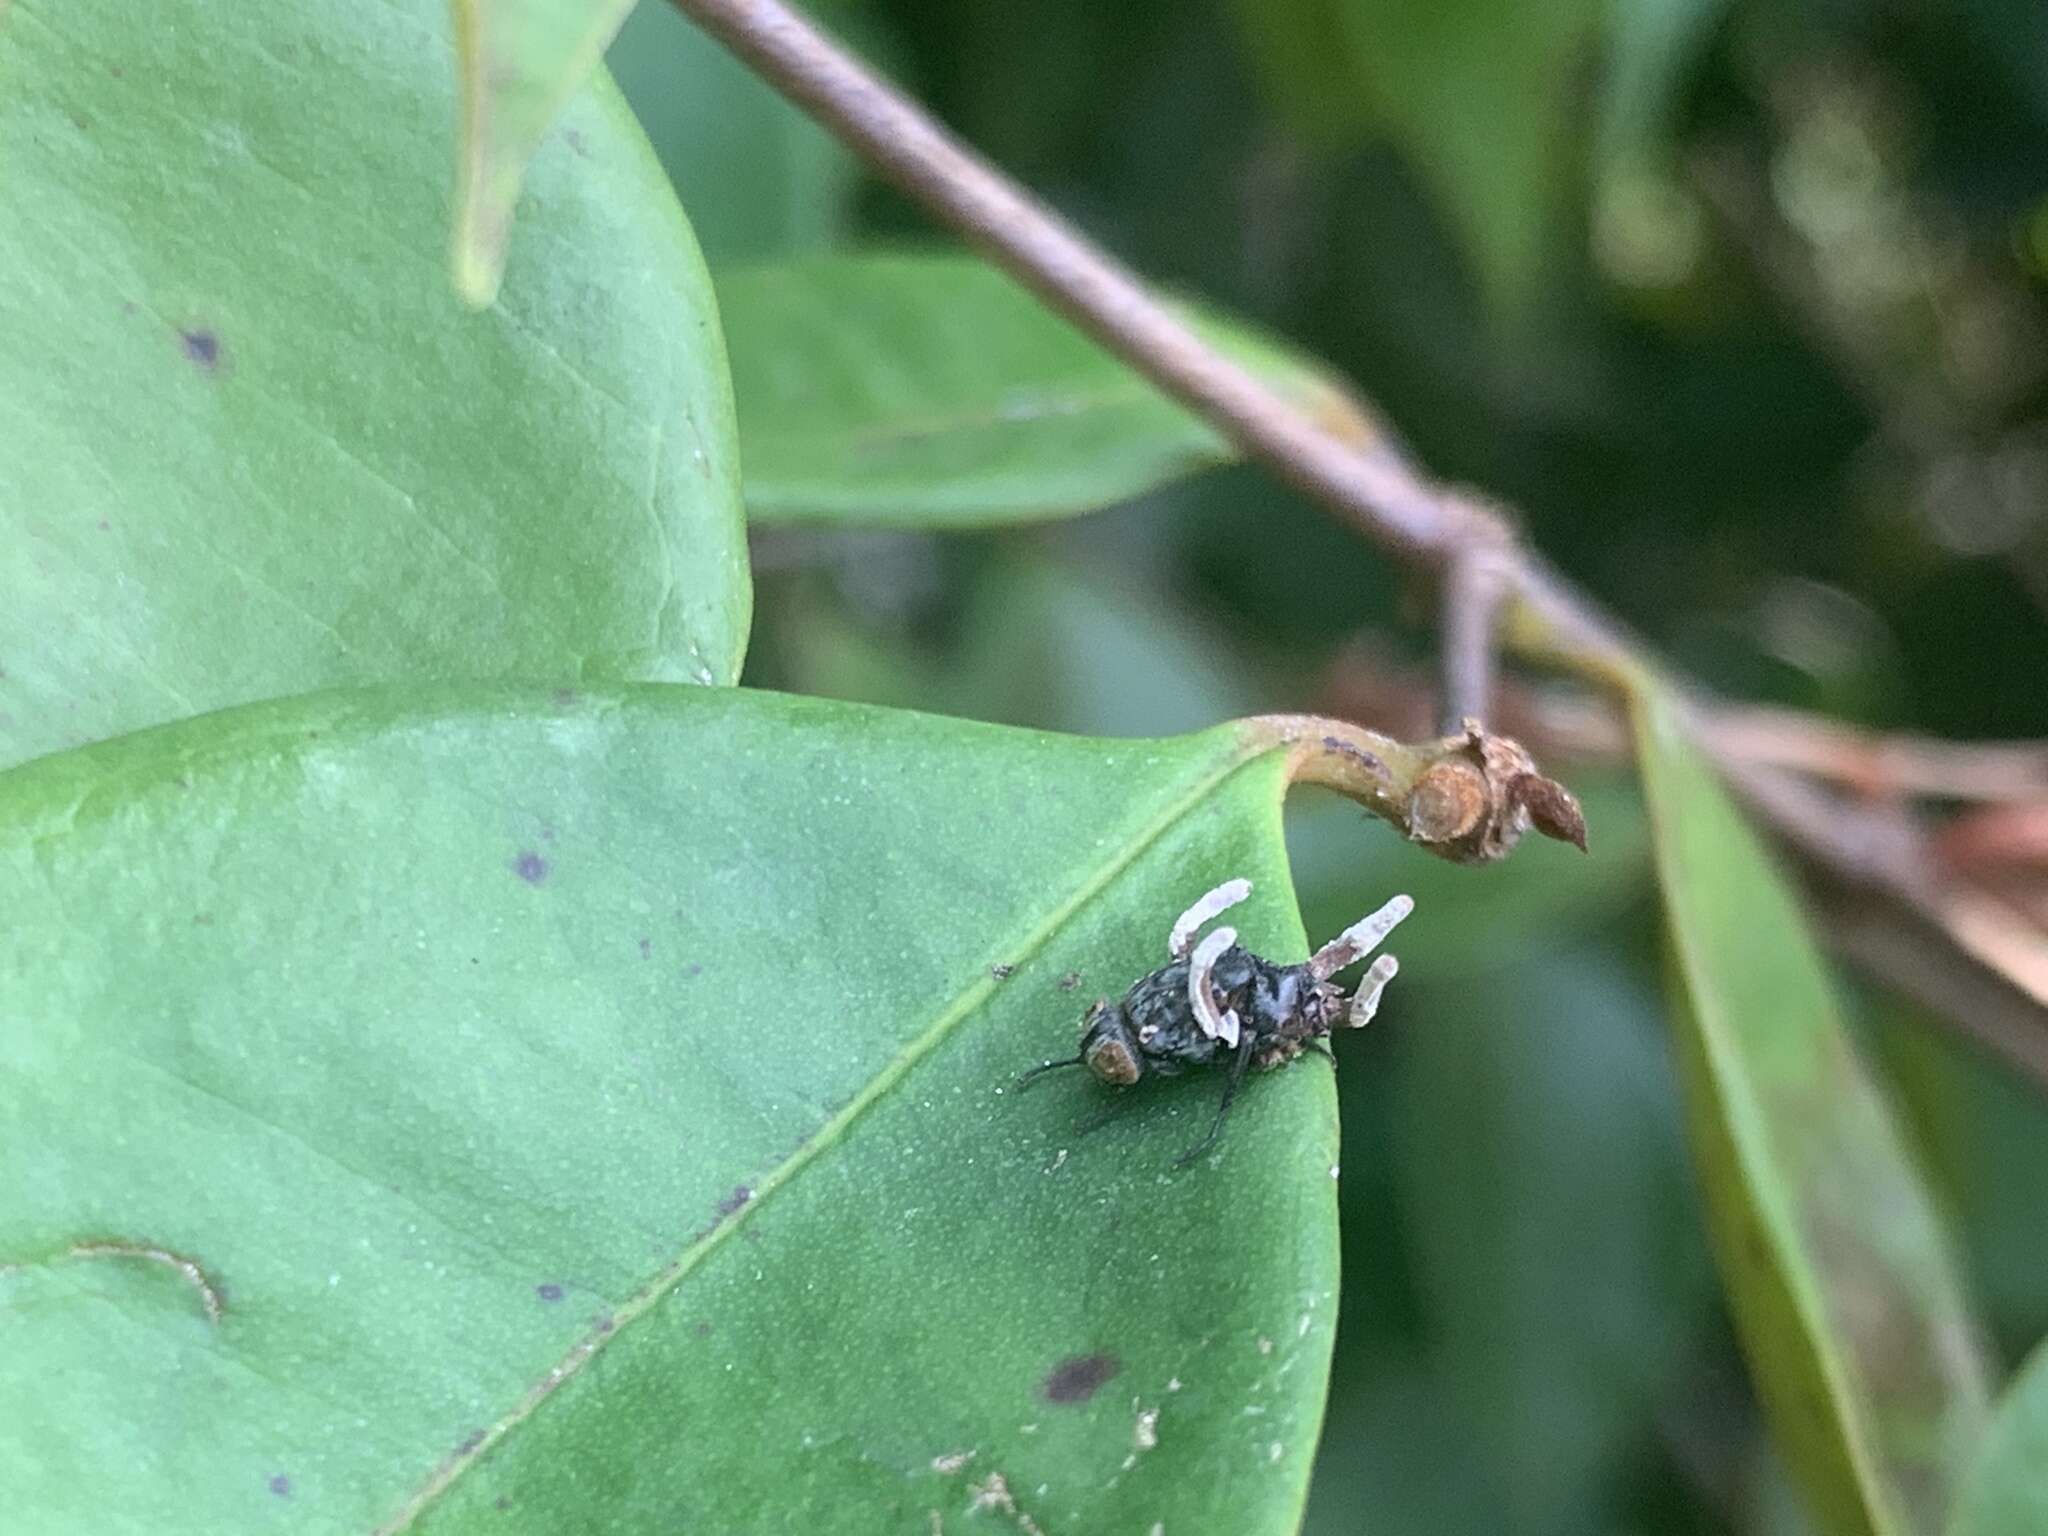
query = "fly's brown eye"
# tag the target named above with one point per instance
(1112, 1061)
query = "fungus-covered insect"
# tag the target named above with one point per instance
(1216, 1002)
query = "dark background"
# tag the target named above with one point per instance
(1742, 309)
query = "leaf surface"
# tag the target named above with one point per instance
(1862, 1342)
(600, 1110)
(1482, 97)
(932, 391)
(759, 178)
(257, 447)
(2006, 1491)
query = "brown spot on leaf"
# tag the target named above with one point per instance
(1079, 1377)
(530, 867)
(470, 1442)
(1070, 981)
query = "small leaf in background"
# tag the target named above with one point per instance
(1647, 230)
(2006, 1492)
(1484, 98)
(1067, 643)
(520, 62)
(1651, 44)
(932, 391)
(1043, 643)
(1303, 53)
(758, 177)
(1854, 1320)
(452, 1116)
(262, 451)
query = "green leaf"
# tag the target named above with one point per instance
(931, 391)
(1302, 50)
(520, 61)
(1984, 1134)
(600, 1108)
(758, 177)
(1483, 97)
(1651, 46)
(2006, 1493)
(1853, 1318)
(257, 448)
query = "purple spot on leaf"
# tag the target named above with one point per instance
(548, 1291)
(530, 867)
(281, 1486)
(1078, 1377)
(732, 1202)
(201, 347)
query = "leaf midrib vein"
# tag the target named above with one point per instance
(962, 1007)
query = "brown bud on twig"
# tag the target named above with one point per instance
(1474, 802)
(1467, 798)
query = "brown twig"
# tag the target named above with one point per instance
(1369, 486)
(1469, 611)
(1880, 766)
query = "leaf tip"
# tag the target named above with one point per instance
(477, 266)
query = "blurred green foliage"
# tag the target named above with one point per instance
(1742, 307)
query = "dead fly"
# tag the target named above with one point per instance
(1215, 1001)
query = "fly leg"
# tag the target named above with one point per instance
(1238, 1066)
(1118, 1103)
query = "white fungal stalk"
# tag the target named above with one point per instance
(1365, 1002)
(1359, 940)
(1218, 1024)
(1209, 907)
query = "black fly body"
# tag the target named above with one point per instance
(1215, 1003)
